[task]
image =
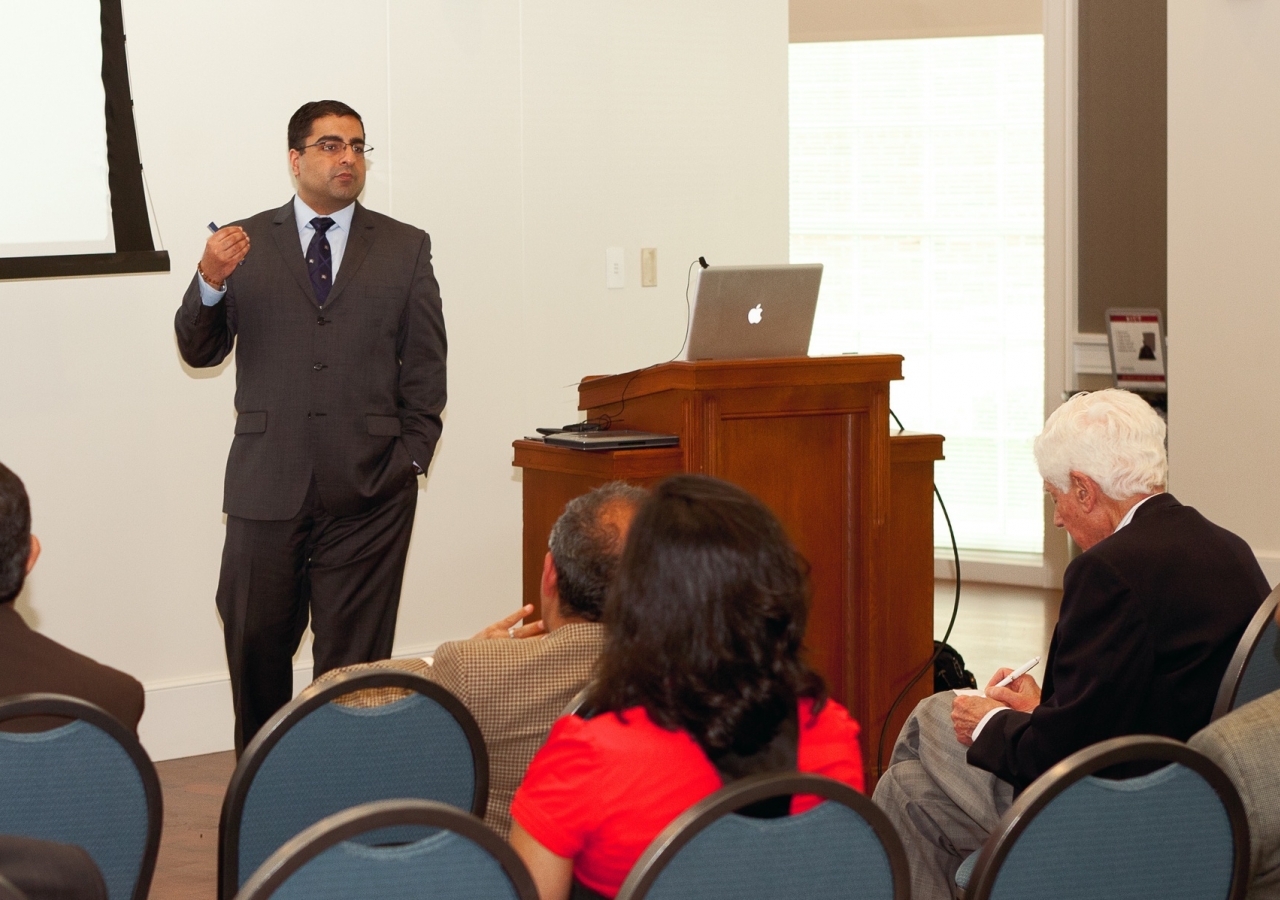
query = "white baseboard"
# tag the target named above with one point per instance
(1270, 563)
(192, 716)
(1021, 569)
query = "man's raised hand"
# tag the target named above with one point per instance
(224, 250)
(506, 628)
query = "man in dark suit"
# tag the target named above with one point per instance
(1152, 610)
(340, 382)
(29, 661)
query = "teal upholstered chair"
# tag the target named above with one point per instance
(460, 858)
(1175, 833)
(1254, 669)
(316, 757)
(842, 848)
(88, 783)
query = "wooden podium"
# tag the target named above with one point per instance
(810, 437)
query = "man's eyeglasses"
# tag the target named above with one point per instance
(333, 148)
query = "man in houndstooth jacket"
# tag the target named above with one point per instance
(517, 681)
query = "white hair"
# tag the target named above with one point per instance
(1113, 436)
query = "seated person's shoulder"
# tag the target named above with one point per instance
(1242, 732)
(368, 698)
(829, 743)
(37, 663)
(832, 721)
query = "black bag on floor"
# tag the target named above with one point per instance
(949, 672)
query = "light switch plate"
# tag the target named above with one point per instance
(615, 271)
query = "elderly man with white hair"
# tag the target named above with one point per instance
(1152, 610)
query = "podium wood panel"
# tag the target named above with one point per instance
(810, 438)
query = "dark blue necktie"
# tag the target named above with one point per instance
(320, 259)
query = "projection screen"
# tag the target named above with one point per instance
(75, 204)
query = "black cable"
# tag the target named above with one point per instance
(604, 420)
(955, 609)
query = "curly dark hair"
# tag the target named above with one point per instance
(15, 534)
(706, 617)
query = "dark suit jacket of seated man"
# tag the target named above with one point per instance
(516, 689)
(31, 662)
(46, 870)
(1151, 613)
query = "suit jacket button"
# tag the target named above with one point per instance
(318, 366)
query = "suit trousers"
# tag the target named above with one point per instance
(344, 572)
(942, 807)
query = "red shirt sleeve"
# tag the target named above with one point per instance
(556, 803)
(829, 747)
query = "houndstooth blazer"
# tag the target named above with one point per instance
(1245, 745)
(516, 689)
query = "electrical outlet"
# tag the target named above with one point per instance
(648, 267)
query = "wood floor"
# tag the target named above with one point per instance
(193, 787)
(996, 626)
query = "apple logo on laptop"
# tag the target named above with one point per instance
(755, 315)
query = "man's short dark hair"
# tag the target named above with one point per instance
(301, 121)
(586, 544)
(15, 534)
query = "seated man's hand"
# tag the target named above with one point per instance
(1023, 694)
(504, 629)
(967, 712)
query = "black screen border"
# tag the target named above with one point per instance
(135, 251)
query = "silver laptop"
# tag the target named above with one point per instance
(751, 312)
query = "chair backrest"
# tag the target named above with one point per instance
(1176, 833)
(1254, 670)
(315, 758)
(845, 847)
(88, 783)
(462, 858)
(8, 891)
(579, 700)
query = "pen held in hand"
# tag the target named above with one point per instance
(213, 229)
(1018, 672)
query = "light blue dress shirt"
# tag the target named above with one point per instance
(338, 233)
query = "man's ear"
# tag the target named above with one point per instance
(1085, 491)
(35, 553)
(550, 586)
(293, 161)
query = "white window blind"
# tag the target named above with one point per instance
(917, 179)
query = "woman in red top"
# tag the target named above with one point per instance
(701, 682)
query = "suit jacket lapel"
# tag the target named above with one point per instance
(357, 248)
(285, 232)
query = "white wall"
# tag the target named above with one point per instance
(1224, 265)
(526, 137)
